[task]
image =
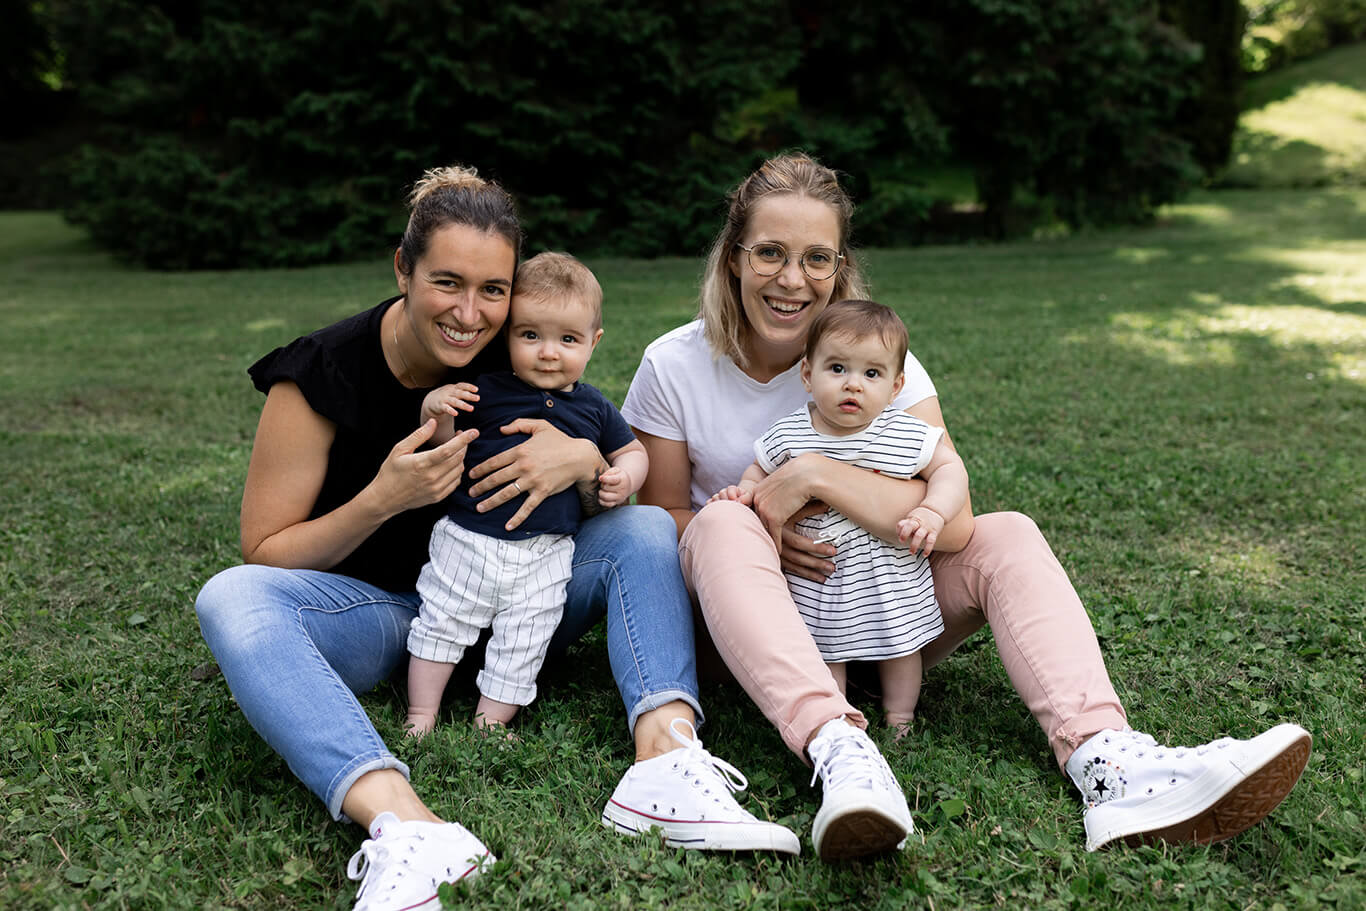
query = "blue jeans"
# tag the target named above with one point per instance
(295, 646)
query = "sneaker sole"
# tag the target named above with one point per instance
(758, 836)
(857, 833)
(1245, 804)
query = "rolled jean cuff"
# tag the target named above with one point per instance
(1078, 730)
(651, 701)
(352, 772)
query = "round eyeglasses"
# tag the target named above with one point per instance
(769, 258)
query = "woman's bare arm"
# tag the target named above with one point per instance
(669, 483)
(288, 465)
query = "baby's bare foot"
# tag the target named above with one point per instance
(492, 727)
(900, 722)
(419, 725)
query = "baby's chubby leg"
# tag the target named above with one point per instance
(900, 691)
(493, 715)
(426, 682)
(838, 671)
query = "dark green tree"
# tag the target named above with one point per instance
(254, 133)
(1208, 118)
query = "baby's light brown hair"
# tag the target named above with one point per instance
(856, 319)
(554, 276)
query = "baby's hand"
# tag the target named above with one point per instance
(614, 487)
(922, 526)
(734, 492)
(449, 400)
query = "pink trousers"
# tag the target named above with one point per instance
(1007, 577)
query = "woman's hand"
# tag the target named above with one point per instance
(289, 462)
(803, 556)
(778, 497)
(408, 479)
(548, 462)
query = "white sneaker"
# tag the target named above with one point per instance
(686, 794)
(1141, 792)
(863, 810)
(401, 864)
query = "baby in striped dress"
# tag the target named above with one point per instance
(878, 604)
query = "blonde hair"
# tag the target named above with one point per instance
(456, 195)
(859, 319)
(725, 326)
(552, 276)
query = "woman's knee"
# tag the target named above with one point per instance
(1006, 535)
(653, 527)
(719, 518)
(232, 601)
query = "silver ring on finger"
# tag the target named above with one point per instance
(518, 486)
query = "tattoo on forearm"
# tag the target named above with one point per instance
(588, 494)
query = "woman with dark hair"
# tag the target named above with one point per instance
(340, 500)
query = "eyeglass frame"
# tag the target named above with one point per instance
(787, 256)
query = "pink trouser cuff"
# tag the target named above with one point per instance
(1078, 730)
(731, 567)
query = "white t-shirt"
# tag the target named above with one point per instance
(681, 392)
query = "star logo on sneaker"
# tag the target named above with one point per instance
(1102, 780)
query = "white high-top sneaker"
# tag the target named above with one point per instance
(1140, 791)
(863, 810)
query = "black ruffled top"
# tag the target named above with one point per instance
(342, 374)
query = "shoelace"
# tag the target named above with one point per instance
(845, 761)
(700, 765)
(378, 858)
(371, 856)
(1145, 742)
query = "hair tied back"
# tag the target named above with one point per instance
(452, 177)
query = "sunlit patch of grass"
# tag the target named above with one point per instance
(1334, 274)
(1177, 337)
(1210, 214)
(1141, 256)
(1190, 337)
(1306, 126)
(1237, 561)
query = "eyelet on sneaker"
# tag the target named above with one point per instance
(655, 807)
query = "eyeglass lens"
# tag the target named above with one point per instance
(769, 259)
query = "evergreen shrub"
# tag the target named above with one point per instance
(257, 134)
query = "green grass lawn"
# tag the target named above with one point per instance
(1182, 409)
(1304, 125)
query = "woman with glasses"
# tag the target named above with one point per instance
(707, 390)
